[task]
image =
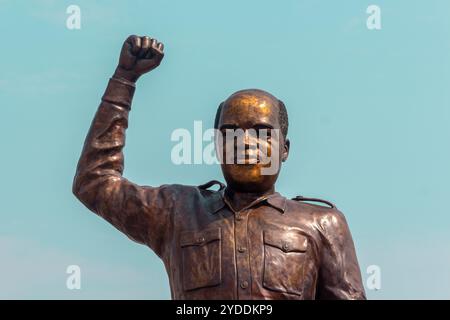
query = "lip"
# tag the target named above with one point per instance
(245, 159)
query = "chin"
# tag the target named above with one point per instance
(247, 177)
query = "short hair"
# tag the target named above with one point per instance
(282, 117)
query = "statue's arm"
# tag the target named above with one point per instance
(142, 213)
(339, 274)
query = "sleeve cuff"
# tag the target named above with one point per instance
(119, 91)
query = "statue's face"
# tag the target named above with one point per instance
(243, 111)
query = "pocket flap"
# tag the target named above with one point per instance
(198, 238)
(288, 241)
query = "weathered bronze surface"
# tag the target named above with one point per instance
(244, 241)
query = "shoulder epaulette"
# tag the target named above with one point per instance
(211, 183)
(301, 198)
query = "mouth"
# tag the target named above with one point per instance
(246, 159)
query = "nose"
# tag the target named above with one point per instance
(247, 138)
(250, 140)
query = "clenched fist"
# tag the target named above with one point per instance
(139, 55)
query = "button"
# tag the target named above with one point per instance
(238, 217)
(242, 249)
(244, 284)
(200, 239)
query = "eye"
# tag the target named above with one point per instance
(264, 133)
(230, 128)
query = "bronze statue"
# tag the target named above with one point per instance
(244, 241)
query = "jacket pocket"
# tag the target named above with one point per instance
(201, 258)
(284, 261)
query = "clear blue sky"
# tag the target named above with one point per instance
(369, 113)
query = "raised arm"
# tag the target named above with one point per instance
(142, 213)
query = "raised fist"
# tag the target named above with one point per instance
(139, 55)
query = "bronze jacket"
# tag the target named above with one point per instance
(274, 248)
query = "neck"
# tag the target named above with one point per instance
(241, 199)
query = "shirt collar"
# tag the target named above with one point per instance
(277, 201)
(218, 201)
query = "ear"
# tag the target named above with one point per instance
(286, 147)
(218, 138)
(218, 145)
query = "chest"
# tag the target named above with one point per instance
(260, 250)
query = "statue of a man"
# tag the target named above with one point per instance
(243, 241)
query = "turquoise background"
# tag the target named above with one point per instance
(369, 113)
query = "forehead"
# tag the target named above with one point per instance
(247, 109)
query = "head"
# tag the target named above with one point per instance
(258, 110)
